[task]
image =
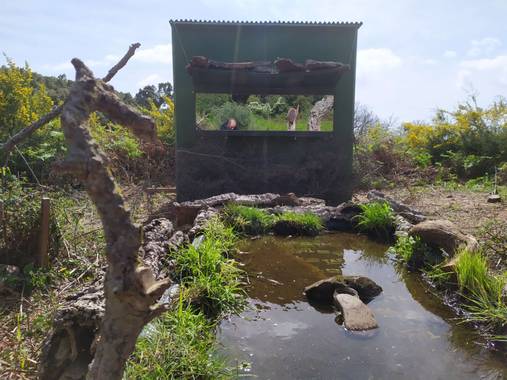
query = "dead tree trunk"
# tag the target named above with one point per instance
(131, 291)
(319, 111)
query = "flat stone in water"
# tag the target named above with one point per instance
(356, 315)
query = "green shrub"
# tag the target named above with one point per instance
(247, 220)
(376, 218)
(241, 113)
(292, 223)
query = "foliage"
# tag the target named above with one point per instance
(376, 218)
(405, 247)
(164, 119)
(470, 140)
(247, 220)
(22, 209)
(228, 110)
(113, 138)
(208, 273)
(179, 345)
(305, 223)
(24, 100)
(151, 94)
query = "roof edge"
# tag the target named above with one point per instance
(268, 23)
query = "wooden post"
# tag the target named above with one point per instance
(43, 255)
(3, 221)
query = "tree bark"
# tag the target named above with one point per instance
(131, 291)
(319, 111)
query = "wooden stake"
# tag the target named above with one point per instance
(3, 221)
(43, 255)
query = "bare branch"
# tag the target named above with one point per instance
(9, 145)
(112, 72)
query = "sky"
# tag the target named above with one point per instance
(413, 56)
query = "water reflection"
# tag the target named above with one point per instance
(283, 337)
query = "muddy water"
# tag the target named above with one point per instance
(281, 336)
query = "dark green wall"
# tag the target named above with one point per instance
(198, 153)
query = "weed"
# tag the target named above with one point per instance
(376, 218)
(292, 223)
(247, 220)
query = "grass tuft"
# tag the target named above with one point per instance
(482, 290)
(247, 220)
(376, 218)
(292, 223)
(209, 274)
(179, 345)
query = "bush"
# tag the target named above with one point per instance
(376, 218)
(247, 220)
(241, 113)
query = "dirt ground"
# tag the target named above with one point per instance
(467, 209)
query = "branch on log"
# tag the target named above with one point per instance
(319, 111)
(112, 72)
(81, 70)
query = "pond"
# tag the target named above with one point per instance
(281, 336)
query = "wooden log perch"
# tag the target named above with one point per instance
(320, 110)
(7, 147)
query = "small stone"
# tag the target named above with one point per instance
(323, 290)
(356, 315)
(494, 198)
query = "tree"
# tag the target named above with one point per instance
(156, 95)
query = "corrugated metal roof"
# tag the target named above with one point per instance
(296, 23)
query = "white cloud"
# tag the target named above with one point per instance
(429, 61)
(481, 70)
(150, 79)
(156, 54)
(483, 46)
(450, 54)
(376, 60)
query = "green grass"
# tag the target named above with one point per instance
(248, 220)
(255, 221)
(179, 345)
(292, 223)
(376, 218)
(481, 290)
(280, 124)
(211, 277)
(260, 123)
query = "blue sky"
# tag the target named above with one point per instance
(413, 57)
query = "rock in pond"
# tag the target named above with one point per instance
(323, 290)
(356, 315)
(443, 234)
